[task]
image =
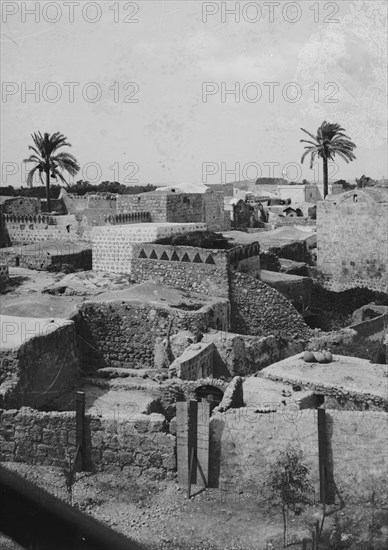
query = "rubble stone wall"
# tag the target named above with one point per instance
(41, 368)
(138, 445)
(260, 310)
(124, 335)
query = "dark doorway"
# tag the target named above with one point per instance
(210, 393)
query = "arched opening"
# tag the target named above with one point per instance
(210, 393)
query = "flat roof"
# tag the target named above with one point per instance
(346, 375)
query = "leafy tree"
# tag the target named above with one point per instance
(47, 160)
(329, 141)
(289, 483)
(364, 181)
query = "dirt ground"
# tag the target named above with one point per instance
(160, 516)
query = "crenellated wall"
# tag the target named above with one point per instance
(186, 267)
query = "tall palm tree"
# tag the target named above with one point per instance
(329, 141)
(47, 160)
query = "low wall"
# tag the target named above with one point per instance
(245, 444)
(373, 329)
(137, 446)
(117, 334)
(260, 310)
(46, 254)
(294, 221)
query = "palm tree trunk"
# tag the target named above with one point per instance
(48, 190)
(325, 178)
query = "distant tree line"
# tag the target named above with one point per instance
(79, 188)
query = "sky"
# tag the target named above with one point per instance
(164, 92)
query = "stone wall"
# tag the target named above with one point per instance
(34, 370)
(112, 246)
(155, 203)
(37, 228)
(138, 446)
(373, 329)
(177, 207)
(259, 310)
(245, 444)
(243, 355)
(352, 248)
(117, 334)
(46, 253)
(186, 267)
(21, 206)
(198, 361)
(77, 203)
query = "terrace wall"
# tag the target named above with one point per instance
(138, 446)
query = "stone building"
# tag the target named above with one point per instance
(352, 233)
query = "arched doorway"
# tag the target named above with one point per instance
(210, 393)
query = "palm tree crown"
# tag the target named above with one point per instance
(329, 141)
(47, 159)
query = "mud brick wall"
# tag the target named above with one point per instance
(352, 248)
(185, 267)
(124, 335)
(41, 368)
(245, 444)
(137, 446)
(260, 310)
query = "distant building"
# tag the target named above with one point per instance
(310, 192)
(352, 231)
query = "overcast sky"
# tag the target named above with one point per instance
(149, 101)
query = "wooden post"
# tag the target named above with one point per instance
(192, 437)
(79, 428)
(316, 534)
(182, 430)
(304, 547)
(203, 442)
(322, 451)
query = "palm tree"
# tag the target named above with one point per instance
(46, 160)
(329, 141)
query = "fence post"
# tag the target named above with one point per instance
(79, 428)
